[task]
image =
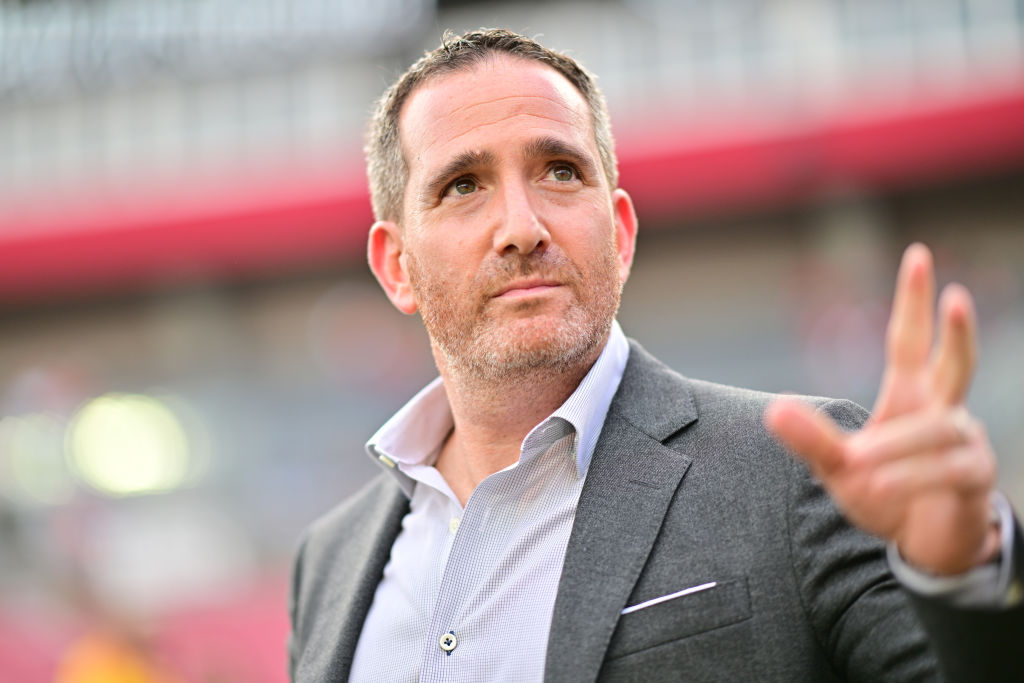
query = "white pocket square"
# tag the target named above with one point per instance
(671, 596)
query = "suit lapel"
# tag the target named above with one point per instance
(630, 483)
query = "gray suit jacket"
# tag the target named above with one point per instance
(685, 488)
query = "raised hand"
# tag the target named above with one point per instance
(921, 471)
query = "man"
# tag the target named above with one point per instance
(558, 505)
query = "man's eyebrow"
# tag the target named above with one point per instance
(462, 163)
(553, 148)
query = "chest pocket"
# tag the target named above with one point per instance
(727, 602)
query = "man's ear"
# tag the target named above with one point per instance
(625, 231)
(384, 252)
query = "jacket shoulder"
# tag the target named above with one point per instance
(652, 385)
(718, 399)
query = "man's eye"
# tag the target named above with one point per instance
(563, 173)
(463, 186)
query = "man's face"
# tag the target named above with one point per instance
(512, 242)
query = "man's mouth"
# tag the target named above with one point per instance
(527, 287)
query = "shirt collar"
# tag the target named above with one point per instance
(414, 434)
(587, 407)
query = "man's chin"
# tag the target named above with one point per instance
(533, 343)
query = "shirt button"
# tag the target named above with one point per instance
(453, 524)
(447, 641)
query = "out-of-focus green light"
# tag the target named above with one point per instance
(30, 451)
(128, 444)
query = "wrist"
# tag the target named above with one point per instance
(989, 552)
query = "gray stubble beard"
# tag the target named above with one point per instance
(476, 349)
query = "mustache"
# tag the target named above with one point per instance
(496, 275)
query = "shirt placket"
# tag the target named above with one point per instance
(483, 521)
(459, 577)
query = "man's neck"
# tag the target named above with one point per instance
(492, 417)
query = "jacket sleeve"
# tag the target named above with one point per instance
(860, 615)
(979, 644)
(869, 625)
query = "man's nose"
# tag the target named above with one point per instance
(520, 227)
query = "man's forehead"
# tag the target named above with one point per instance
(451, 106)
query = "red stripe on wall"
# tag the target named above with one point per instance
(301, 222)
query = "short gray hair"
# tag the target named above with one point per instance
(385, 161)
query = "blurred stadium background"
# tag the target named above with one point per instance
(192, 351)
